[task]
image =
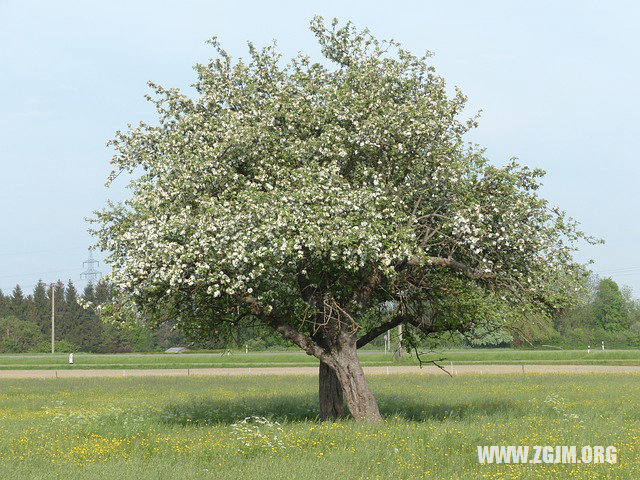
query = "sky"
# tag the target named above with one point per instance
(556, 82)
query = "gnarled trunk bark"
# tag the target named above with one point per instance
(330, 390)
(360, 401)
(341, 376)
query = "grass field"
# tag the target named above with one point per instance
(166, 428)
(299, 359)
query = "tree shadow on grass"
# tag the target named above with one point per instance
(396, 407)
(289, 408)
(300, 408)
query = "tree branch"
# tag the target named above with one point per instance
(420, 361)
(285, 329)
(451, 263)
(375, 332)
(424, 327)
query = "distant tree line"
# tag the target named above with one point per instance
(25, 325)
(25, 322)
(606, 313)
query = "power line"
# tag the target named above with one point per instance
(617, 270)
(33, 285)
(29, 287)
(33, 252)
(39, 273)
(24, 288)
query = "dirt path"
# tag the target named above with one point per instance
(392, 370)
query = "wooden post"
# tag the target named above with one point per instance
(53, 319)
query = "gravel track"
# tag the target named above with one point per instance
(391, 370)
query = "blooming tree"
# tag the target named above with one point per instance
(307, 195)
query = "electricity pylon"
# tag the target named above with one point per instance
(91, 273)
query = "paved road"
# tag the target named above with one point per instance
(392, 370)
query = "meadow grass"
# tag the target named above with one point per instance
(300, 359)
(168, 427)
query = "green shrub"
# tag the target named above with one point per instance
(18, 335)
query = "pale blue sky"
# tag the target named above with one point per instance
(557, 83)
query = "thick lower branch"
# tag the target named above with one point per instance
(375, 332)
(285, 329)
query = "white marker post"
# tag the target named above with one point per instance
(603, 345)
(246, 348)
(71, 359)
(588, 348)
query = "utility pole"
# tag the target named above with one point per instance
(53, 319)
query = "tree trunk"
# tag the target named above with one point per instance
(330, 390)
(360, 400)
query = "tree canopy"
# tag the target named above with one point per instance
(304, 195)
